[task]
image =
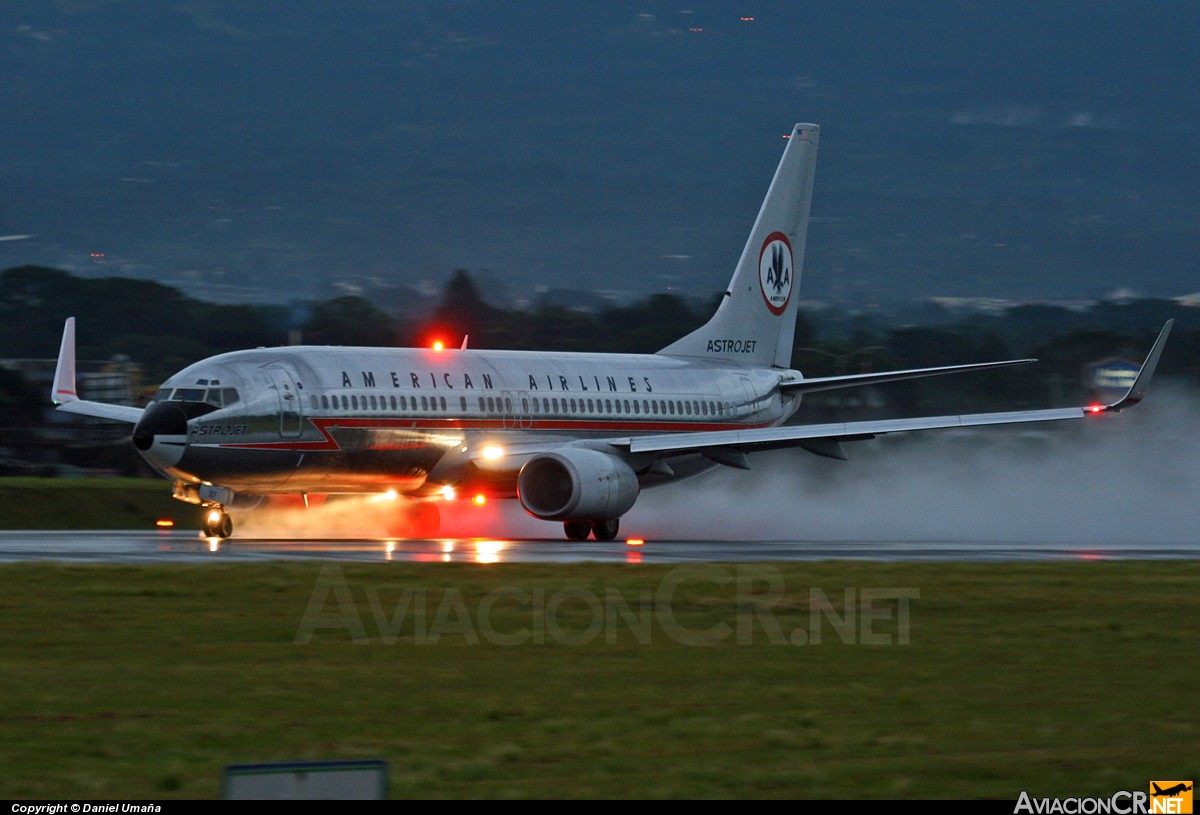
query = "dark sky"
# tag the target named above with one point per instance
(494, 121)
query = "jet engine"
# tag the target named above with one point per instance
(576, 483)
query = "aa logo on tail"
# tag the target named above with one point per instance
(775, 272)
(1173, 797)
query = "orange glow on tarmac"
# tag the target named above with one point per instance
(635, 541)
(165, 523)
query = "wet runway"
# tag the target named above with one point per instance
(174, 546)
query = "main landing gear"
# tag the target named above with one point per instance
(600, 530)
(217, 523)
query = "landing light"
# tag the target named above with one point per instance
(492, 452)
(479, 500)
(449, 493)
(214, 515)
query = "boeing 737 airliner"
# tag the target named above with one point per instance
(574, 437)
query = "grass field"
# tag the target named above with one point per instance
(91, 503)
(513, 680)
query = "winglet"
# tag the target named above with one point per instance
(1137, 391)
(64, 375)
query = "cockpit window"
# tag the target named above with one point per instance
(218, 397)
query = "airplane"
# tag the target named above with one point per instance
(574, 437)
(1170, 792)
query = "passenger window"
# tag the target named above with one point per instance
(462, 404)
(535, 406)
(482, 405)
(554, 402)
(524, 405)
(545, 405)
(374, 403)
(424, 403)
(392, 399)
(591, 409)
(508, 404)
(491, 405)
(404, 403)
(443, 402)
(608, 406)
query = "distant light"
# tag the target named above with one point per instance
(695, 30)
(747, 19)
(492, 452)
(449, 493)
(479, 500)
(635, 541)
(787, 135)
(438, 345)
(166, 523)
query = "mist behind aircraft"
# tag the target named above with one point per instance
(1136, 483)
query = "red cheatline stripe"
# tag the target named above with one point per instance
(325, 423)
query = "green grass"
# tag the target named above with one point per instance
(91, 503)
(145, 681)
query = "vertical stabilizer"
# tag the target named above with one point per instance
(756, 320)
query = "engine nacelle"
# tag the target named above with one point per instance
(576, 484)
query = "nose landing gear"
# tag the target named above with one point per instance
(217, 523)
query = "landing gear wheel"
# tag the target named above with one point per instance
(606, 530)
(577, 530)
(217, 524)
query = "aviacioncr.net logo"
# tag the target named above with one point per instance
(775, 272)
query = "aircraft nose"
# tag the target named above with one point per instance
(159, 419)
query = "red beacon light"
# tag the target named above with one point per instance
(438, 345)
(1095, 409)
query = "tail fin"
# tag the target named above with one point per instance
(756, 320)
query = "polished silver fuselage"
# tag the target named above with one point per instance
(356, 420)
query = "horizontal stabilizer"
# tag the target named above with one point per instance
(828, 383)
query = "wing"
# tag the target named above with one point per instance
(66, 397)
(823, 438)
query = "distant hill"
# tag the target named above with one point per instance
(252, 151)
